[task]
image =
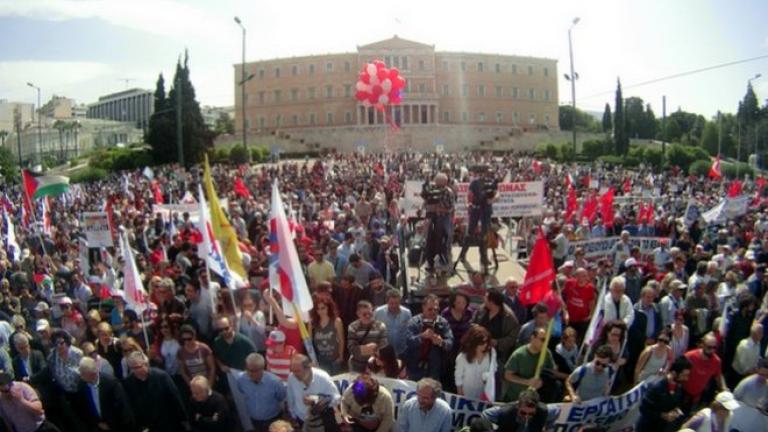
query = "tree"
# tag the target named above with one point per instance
(749, 111)
(224, 124)
(607, 121)
(633, 115)
(196, 138)
(672, 130)
(584, 120)
(709, 138)
(620, 138)
(3, 135)
(8, 164)
(649, 125)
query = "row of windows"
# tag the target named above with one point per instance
(401, 62)
(499, 117)
(330, 92)
(295, 119)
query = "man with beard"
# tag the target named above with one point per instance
(660, 409)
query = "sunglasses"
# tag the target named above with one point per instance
(187, 339)
(664, 341)
(526, 413)
(601, 364)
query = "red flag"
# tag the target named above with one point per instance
(540, 273)
(735, 189)
(536, 165)
(571, 204)
(586, 181)
(606, 207)
(761, 182)
(241, 189)
(641, 213)
(157, 194)
(627, 185)
(649, 213)
(714, 170)
(589, 208)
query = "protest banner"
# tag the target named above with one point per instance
(514, 199)
(96, 229)
(617, 413)
(166, 210)
(412, 201)
(727, 209)
(598, 248)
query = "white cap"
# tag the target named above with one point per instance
(42, 324)
(727, 400)
(631, 262)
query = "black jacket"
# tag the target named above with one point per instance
(506, 419)
(115, 410)
(658, 400)
(156, 402)
(36, 363)
(201, 414)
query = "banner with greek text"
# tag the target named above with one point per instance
(96, 229)
(598, 248)
(618, 413)
(514, 199)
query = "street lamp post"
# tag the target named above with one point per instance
(572, 78)
(243, 80)
(39, 123)
(757, 125)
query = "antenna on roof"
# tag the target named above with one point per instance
(127, 81)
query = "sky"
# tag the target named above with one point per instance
(83, 49)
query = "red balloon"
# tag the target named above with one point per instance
(398, 83)
(380, 107)
(382, 74)
(377, 91)
(379, 64)
(395, 98)
(361, 96)
(364, 77)
(373, 99)
(393, 74)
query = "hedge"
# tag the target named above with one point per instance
(88, 174)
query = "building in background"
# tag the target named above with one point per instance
(134, 105)
(7, 109)
(462, 99)
(59, 108)
(211, 114)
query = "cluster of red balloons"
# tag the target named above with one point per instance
(378, 86)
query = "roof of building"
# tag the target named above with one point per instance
(394, 42)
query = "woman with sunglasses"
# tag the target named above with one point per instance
(655, 360)
(195, 357)
(166, 347)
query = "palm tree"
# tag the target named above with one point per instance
(60, 126)
(76, 129)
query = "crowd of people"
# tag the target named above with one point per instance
(687, 319)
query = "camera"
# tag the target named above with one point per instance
(428, 324)
(431, 193)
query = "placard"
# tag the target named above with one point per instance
(96, 229)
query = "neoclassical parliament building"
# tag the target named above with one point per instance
(453, 100)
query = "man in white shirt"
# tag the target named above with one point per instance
(753, 389)
(748, 352)
(621, 250)
(616, 304)
(311, 391)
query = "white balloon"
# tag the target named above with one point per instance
(366, 103)
(374, 80)
(383, 99)
(371, 69)
(363, 87)
(386, 85)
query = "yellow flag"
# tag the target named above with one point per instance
(222, 230)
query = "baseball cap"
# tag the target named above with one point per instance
(42, 325)
(568, 263)
(42, 307)
(631, 262)
(65, 300)
(276, 337)
(677, 284)
(727, 400)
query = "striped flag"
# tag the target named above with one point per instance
(135, 296)
(209, 249)
(285, 273)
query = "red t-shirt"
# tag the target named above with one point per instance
(578, 300)
(702, 371)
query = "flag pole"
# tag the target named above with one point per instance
(304, 333)
(144, 326)
(32, 210)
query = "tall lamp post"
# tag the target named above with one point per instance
(572, 78)
(39, 123)
(757, 158)
(243, 80)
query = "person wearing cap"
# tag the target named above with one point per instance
(672, 302)
(566, 269)
(279, 354)
(633, 279)
(21, 408)
(27, 362)
(716, 417)
(71, 319)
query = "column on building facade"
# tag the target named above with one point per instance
(431, 114)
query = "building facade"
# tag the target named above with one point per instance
(59, 108)
(7, 110)
(443, 88)
(134, 105)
